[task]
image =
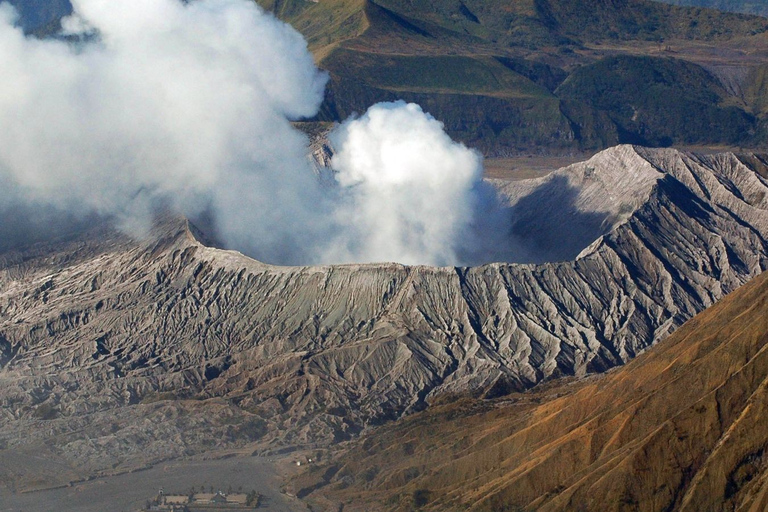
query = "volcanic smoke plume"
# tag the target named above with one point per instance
(409, 187)
(150, 104)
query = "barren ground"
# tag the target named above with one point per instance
(128, 492)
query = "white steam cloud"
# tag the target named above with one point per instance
(409, 187)
(161, 103)
(186, 104)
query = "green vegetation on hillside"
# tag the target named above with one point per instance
(537, 75)
(759, 7)
(535, 22)
(322, 23)
(600, 20)
(457, 74)
(658, 101)
(756, 90)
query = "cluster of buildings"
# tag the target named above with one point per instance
(210, 502)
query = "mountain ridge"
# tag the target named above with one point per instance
(679, 428)
(491, 71)
(102, 327)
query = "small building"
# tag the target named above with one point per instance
(240, 499)
(219, 497)
(218, 501)
(175, 499)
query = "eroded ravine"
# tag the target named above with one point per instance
(116, 353)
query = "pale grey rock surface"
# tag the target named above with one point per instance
(116, 353)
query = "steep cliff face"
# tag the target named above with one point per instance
(114, 352)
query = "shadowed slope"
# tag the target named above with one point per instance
(745, 6)
(153, 348)
(682, 427)
(490, 69)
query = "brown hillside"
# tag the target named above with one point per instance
(545, 76)
(682, 427)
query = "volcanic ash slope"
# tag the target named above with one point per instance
(682, 427)
(115, 353)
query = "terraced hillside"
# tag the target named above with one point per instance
(116, 353)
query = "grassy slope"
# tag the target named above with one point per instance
(658, 101)
(756, 93)
(533, 23)
(440, 73)
(758, 7)
(490, 69)
(595, 20)
(681, 427)
(485, 67)
(322, 23)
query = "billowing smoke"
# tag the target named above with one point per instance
(149, 104)
(409, 190)
(164, 102)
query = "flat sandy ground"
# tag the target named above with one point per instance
(535, 166)
(527, 167)
(129, 492)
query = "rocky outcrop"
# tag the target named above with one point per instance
(130, 343)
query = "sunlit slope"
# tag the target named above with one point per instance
(525, 22)
(491, 70)
(322, 23)
(680, 428)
